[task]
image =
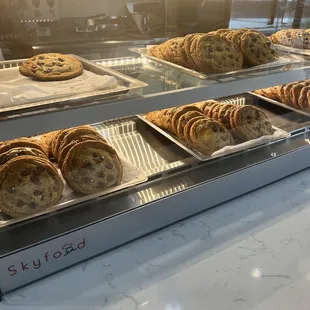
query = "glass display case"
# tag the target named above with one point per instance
(107, 141)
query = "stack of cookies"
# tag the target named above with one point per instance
(219, 51)
(297, 38)
(255, 47)
(51, 67)
(87, 162)
(210, 125)
(296, 95)
(29, 182)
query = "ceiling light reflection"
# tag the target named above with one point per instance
(256, 273)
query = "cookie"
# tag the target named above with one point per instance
(250, 123)
(209, 136)
(48, 138)
(216, 54)
(183, 120)
(257, 49)
(303, 98)
(28, 185)
(204, 104)
(295, 93)
(24, 142)
(187, 48)
(59, 136)
(92, 166)
(187, 128)
(76, 132)
(64, 149)
(175, 51)
(287, 99)
(20, 151)
(52, 67)
(224, 115)
(179, 112)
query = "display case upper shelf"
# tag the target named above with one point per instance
(168, 87)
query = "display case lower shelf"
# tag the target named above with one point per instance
(145, 210)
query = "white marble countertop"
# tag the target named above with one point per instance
(249, 253)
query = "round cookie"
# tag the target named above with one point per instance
(52, 67)
(250, 123)
(216, 54)
(20, 151)
(256, 48)
(24, 142)
(183, 120)
(65, 149)
(76, 132)
(187, 128)
(28, 185)
(91, 167)
(209, 136)
(179, 112)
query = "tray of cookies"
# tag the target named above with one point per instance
(54, 80)
(59, 169)
(219, 53)
(211, 129)
(295, 41)
(292, 96)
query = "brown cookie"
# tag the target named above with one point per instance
(179, 112)
(28, 185)
(250, 123)
(91, 167)
(216, 54)
(52, 67)
(209, 136)
(187, 48)
(257, 49)
(24, 142)
(187, 128)
(303, 98)
(183, 120)
(20, 151)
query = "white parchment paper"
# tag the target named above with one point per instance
(16, 89)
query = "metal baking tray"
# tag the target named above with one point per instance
(278, 103)
(138, 146)
(131, 177)
(294, 50)
(278, 135)
(281, 62)
(125, 82)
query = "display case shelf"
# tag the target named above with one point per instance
(168, 87)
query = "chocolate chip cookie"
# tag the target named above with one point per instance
(52, 67)
(92, 166)
(28, 185)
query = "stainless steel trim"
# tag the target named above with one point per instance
(126, 84)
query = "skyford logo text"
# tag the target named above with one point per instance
(66, 249)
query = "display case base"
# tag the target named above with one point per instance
(33, 263)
